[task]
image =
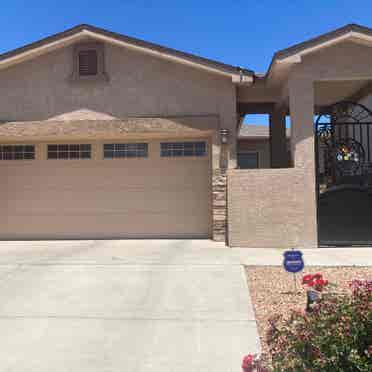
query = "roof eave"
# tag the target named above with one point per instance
(238, 75)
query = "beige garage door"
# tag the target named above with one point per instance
(106, 198)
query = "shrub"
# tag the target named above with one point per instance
(336, 336)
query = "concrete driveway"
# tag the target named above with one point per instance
(119, 306)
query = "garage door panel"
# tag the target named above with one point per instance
(119, 186)
(117, 178)
(135, 202)
(105, 198)
(61, 200)
(107, 225)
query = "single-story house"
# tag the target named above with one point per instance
(106, 136)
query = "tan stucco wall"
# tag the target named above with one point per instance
(266, 209)
(139, 85)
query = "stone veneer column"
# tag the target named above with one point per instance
(219, 204)
(219, 188)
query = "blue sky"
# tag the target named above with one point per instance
(244, 33)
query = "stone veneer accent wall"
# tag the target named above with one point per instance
(219, 204)
(267, 209)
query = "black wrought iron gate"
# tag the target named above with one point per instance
(344, 174)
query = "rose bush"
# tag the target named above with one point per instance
(315, 286)
(336, 336)
(254, 363)
(315, 281)
(248, 363)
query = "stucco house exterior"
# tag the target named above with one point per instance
(106, 136)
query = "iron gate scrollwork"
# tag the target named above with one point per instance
(343, 146)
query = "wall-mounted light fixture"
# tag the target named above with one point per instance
(224, 134)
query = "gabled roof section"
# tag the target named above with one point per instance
(239, 75)
(294, 53)
(283, 59)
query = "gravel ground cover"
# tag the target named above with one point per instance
(272, 289)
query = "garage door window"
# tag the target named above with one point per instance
(69, 151)
(17, 152)
(183, 149)
(125, 150)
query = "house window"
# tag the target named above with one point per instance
(88, 63)
(125, 150)
(183, 149)
(69, 151)
(17, 152)
(247, 160)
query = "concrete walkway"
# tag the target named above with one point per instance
(105, 306)
(313, 257)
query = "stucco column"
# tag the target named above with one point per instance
(301, 102)
(278, 140)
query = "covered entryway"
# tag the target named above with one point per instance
(96, 198)
(344, 182)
